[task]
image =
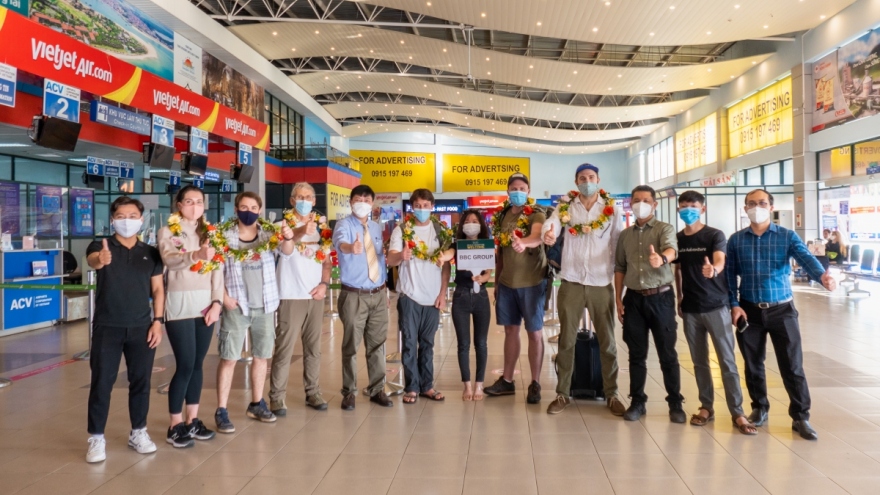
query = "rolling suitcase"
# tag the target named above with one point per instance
(586, 378)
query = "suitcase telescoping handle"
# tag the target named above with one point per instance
(587, 324)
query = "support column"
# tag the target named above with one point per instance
(806, 196)
(258, 180)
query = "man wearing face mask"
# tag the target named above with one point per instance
(642, 265)
(422, 287)
(302, 286)
(521, 266)
(759, 256)
(250, 301)
(363, 304)
(702, 305)
(587, 272)
(129, 275)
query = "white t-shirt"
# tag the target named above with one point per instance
(419, 279)
(297, 273)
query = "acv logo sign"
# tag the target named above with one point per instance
(22, 303)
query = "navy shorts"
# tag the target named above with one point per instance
(513, 306)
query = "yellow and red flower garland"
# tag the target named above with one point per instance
(585, 228)
(523, 224)
(325, 244)
(252, 254)
(445, 236)
(215, 240)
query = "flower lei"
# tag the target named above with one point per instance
(445, 236)
(523, 224)
(585, 228)
(215, 240)
(325, 244)
(252, 254)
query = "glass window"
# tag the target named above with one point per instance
(753, 176)
(651, 176)
(5, 167)
(664, 165)
(642, 171)
(670, 154)
(771, 174)
(788, 172)
(40, 172)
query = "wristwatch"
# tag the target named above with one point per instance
(665, 260)
(216, 301)
(160, 319)
(325, 283)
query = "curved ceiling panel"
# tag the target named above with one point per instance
(318, 83)
(353, 131)
(287, 40)
(349, 110)
(631, 22)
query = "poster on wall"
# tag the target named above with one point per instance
(10, 208)
(187, 64)
(82, 203)
(695, 145)
(389, 171)
(387, 210)
(8, 76)
(227, 86)
(49, 213)
(114, 27)
(867, 158)
(847, 83)
(469, 173)
(761, 120)
(338, 202)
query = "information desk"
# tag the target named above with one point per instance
(29, 309)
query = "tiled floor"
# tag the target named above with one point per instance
(500, 445)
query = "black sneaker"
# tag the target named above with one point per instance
(221, 417)
(676, 413)
(199, 431)
(500, 387)
(261, 412)
(178, 436)
(635, 411)
(534, 394)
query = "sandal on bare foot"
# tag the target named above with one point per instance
(433, 395)
(410, 398)
(700, 419)
(746, 428)
(478, 392)
(468, 394)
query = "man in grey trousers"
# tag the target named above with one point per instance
(702, 305)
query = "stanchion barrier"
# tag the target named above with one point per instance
(90, 278)
(331, 293)
(392, 388)
(395, 357)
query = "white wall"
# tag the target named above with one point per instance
(550, 174)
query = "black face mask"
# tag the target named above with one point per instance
(247, 217)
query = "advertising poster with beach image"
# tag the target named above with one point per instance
(847, 83)
(114, 27)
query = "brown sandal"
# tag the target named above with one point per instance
(746, 428)
(433, 395)
(410, 398)
(698, 420)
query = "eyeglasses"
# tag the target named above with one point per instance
(304, 198)
(753, 204)
(192, 202)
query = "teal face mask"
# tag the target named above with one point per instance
(303, 207)
(422, 215)
(518, 198)
(689, 215)
(588, 188)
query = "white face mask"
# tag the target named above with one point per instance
(127, 227)
(361, 210)
(643, 210)
(471, 229)
(758, 214)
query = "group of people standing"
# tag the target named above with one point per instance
(246, 270)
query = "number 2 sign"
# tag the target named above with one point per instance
(60, 101)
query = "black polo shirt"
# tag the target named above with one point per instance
(124, 288)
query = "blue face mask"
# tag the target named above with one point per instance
(518, 198)
(689, 215)
(588, 188)
(422, 215)
(248, 217)
(303, 207)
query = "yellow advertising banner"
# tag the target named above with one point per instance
(867, 158)
(841, 162)
(761, 120)
(338, 205)
(468, 173)
(393, 171)
(697, 144)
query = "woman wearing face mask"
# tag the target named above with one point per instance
(471, 300)
(192, 307)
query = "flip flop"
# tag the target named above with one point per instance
(410, 398)
(745, 428)
(435, 396)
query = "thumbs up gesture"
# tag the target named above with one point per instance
(517, 245)
(358, 246)
(708, 268)
(205, 253)
(311, 225)
(550, 236)
(655, 259)
(407, 252)
(286, 232)
(104, 255)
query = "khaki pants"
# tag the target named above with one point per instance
(297, 317)
(599, 301)
(364, 317)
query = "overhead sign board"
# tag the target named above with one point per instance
(20, 6)
(469, 173)
(174, 178)
(8, 75)
(114, 116)
(392, 171)
(109, 168)
(198, 141)
(199, 182)
(761, 120)
(60, 100)
(697, 144)
(245, 154)
(163, 131)
(228, 186)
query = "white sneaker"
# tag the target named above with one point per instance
(140, 441)
(97, 452)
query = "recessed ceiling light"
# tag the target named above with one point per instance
(539, 23)
(371, 51)
(607, 4)
(754, 62)
(444, 50)
(317, 32)
(401, 42)
(650, 34)
(821, 17)
(609, 88)
(360, 35)
(13, 145)
(293, 49)
(575, 72)
(483, 14)
(332, 48)
(595, 29)
(487, 59)
(766, 26)
(620, 75)
(274, 33)
(736, 6)
(429, 4)
(732, 77)
(692, 83)
(708, 32)
(672, 7)
(488, 73)
(708, 70)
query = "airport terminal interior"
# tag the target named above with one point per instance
(293, 106)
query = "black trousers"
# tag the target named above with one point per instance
(781, 324)
(109, 344)
(466, 306)
(190, 340)
(655, 314)
(418, 324)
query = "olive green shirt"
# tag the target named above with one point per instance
(633, 250)
(525, 269)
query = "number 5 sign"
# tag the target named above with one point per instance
(60, 101)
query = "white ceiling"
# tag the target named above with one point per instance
(352, 109)
(358, 130)
(631, 22)
(374, 43)
(322, 83)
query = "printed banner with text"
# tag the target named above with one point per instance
(695, 145)
(392, 171)
(847, 83)
(761, 120)
(469, 173)
(338, 202)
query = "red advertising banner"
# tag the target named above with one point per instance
(39, 50)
